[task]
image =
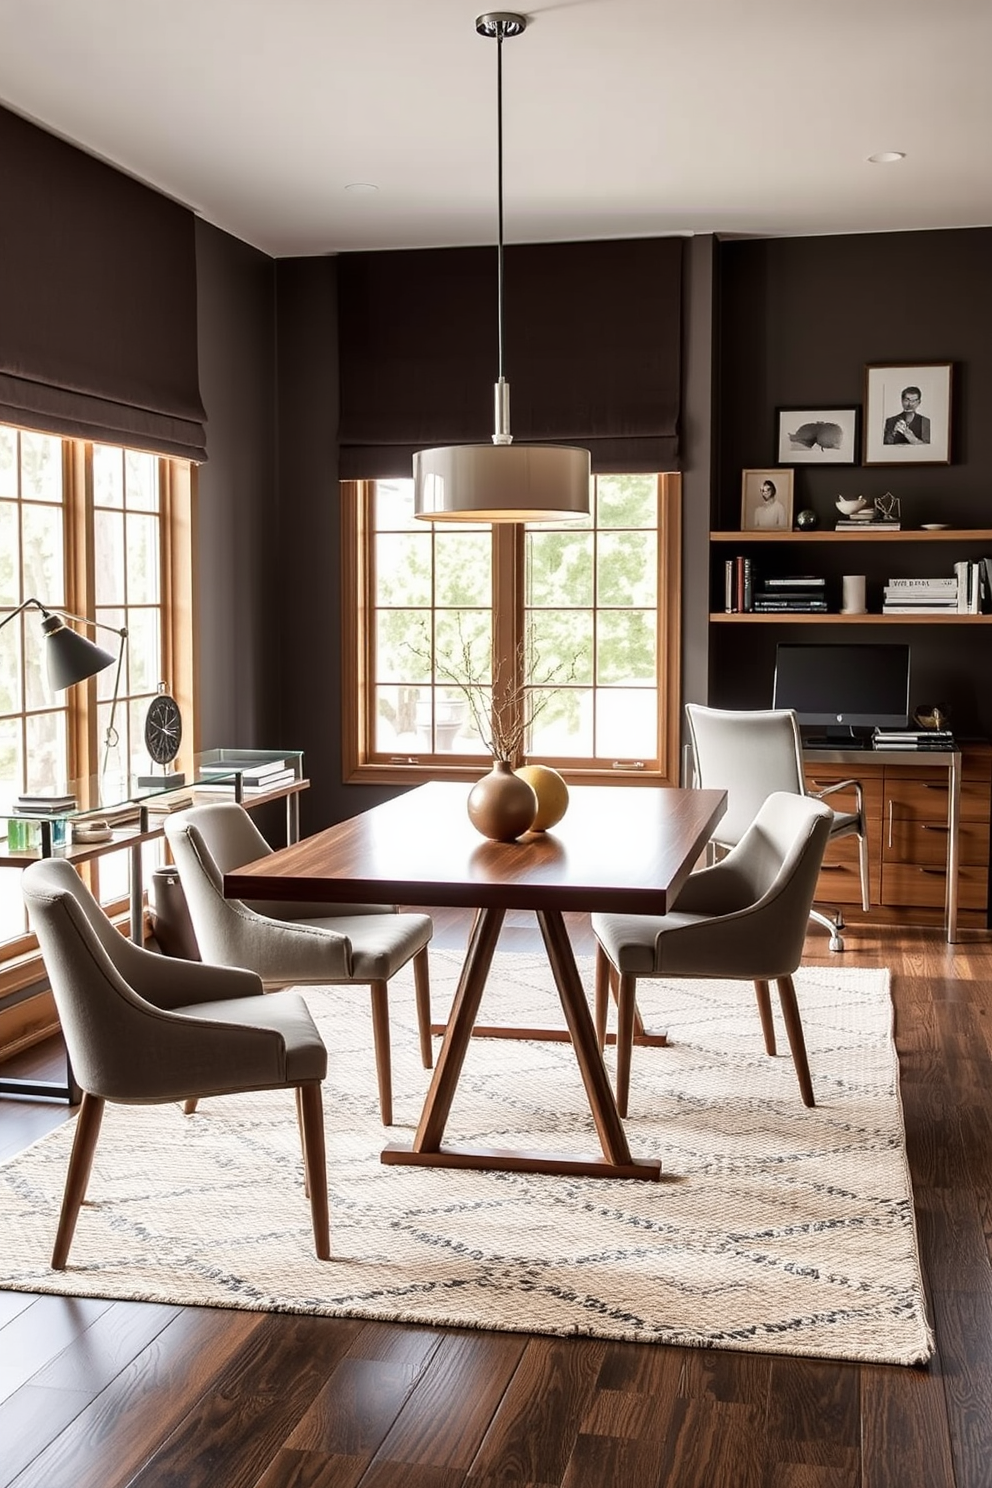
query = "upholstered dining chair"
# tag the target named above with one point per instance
(749, 755)
(745, 918)
(142, 1029)
(291, 944)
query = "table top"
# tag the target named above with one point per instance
(621, 848)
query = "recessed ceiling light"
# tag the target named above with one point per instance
(887, 157)
(361, 188)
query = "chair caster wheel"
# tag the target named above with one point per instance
(836, 943)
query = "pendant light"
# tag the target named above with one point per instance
(501, 482)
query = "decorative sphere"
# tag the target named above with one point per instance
(551, 792)
(807, 520)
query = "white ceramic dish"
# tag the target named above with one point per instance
(935, 526)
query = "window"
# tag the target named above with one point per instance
(102, 532)
(574, 628)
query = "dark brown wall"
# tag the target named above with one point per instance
(237, 509)
(800, 318)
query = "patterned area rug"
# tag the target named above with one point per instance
(774, 1228)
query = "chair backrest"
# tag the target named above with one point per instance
(774, 870)
(207, 842)
(749, 755)
(104, 1021)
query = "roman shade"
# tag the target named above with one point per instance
(591, 349)
(98, 336)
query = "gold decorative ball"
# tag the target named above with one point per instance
(551, 792)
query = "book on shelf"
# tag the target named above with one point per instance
(794, 581)
(226, 786)
(168, 801)
(248, 769)
(47, 804)
(948, 582)
(930, 608)
(790, 606)
(883, 738)
(853, 526)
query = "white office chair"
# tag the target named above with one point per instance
(745, 918)
(289, 944)
(750, 755)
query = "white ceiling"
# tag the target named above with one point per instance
(622, 118)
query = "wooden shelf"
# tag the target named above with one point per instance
(954, 534)
(787, 617)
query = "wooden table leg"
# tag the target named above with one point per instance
(426, 1149)
(580, 1025)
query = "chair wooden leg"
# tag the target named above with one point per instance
(303, 1138)
(794, 1029)
(863, 866)
(764, 996)
(383, 1060)
(80, 1162)
(626, 1009)
(189, 1106)
(602, 996)
(311, 1110)
(422, 984)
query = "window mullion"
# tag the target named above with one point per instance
(508, 612)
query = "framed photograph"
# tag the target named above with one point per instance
(766, 500)
(817, 436)
(908, 414)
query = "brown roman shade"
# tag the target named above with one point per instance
(592, 340)
(98, 336)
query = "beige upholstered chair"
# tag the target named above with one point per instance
(744, 918)
(751, 754)
(141, 1029)
(293, 944)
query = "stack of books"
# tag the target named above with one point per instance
(912, 739)
(868, 524)
(920, 597)
(45, 805)
(256, 776)
(801, 593)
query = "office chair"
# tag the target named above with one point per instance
(144, 1029)
(750, 755)
(744, 918)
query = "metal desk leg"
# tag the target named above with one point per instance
(953, 845)
(292, 818)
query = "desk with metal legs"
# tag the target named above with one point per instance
(935, 759)
(621, 848)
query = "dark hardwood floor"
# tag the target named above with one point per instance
(98, 1394)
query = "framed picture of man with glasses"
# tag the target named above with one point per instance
(908, 414)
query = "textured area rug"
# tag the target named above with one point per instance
(773, 1229)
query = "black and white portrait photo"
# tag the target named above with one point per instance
(766, 500)
(908, 414)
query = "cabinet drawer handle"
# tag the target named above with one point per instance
(935, 785)
(940, 872)
(932, 827)
(832, 868)
(891, 806)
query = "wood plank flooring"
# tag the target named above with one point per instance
(98, 1394)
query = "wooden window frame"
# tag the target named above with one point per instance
(20, 962)
(358, 765)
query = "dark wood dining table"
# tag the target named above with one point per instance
(625, 849)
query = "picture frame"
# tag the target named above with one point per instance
(762, 511)
(907, 413)
(815, 435)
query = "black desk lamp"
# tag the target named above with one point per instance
(71, 657)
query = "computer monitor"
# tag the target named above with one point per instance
(844, 690)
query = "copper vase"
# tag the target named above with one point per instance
(501, 805)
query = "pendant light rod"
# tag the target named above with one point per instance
(498, 25)
(501, 482)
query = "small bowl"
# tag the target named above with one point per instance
(850, 504)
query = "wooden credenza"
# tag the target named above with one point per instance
(917, 836)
